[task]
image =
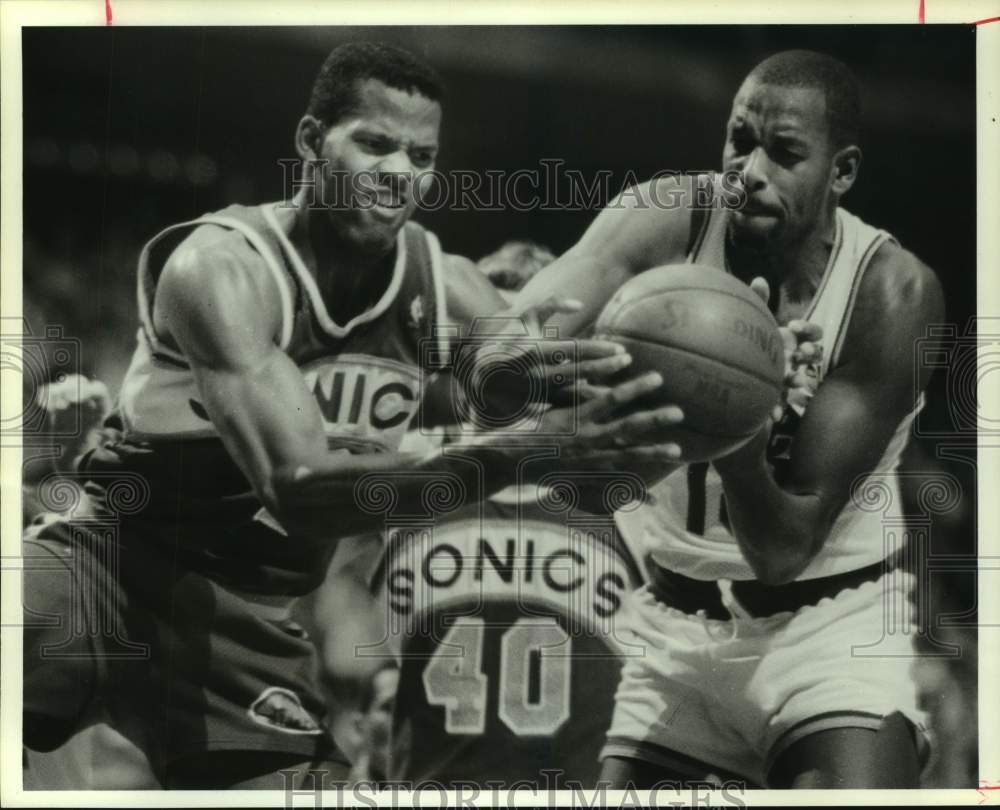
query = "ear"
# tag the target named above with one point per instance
(846, 164)
(308, 137)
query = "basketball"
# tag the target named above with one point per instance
(715, 343)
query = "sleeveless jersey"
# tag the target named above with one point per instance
(367, 377)
(505, 614)
(687, 529)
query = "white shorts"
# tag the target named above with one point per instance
(735, 694)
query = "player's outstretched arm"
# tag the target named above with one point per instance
(846, 428)
(644, 227)
(215, 303)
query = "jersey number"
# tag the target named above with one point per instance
(454, 679)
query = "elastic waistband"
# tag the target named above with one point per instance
(695, 596)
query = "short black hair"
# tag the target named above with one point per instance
(801, 68)
(334, 92)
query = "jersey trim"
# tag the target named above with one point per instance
(852, 297)
(440, 296)
(838, 244)
(308, 282)
(671, 760)
(698, 228)
(257, 242)
(843, 718)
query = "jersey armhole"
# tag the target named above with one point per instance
(259, 244)
(256, 241)
(845, 322)
(439, 328)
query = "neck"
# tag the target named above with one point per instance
(351, 276)
(796, 267)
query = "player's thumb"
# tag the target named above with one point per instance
(760, 286)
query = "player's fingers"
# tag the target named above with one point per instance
(645, 426)
(623, 459)
(594, 348)
(637, 429)
(97, 392)
(586, 391)
(806, 353)
(777, 412)
(806, 330)
(560, 352)
(798, 379)
(622, 394)
(789, 341)
(760, 286)
(540, 313)
(589, 369)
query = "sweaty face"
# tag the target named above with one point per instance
(376, 161)
(777, 138)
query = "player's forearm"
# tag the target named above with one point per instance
(778, 531)
(581, 274)
(350, 495)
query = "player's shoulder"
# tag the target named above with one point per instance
(209, 246)
(897, 282)
(214, 261)
(898, 298)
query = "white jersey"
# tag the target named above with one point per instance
(686, 529)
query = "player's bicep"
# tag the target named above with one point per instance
(850, 422)
(845, 432)
(253, 393)
(643, 228)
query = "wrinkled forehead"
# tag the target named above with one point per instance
(771, 106)
(378, 105)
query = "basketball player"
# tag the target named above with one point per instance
(502, 616)
(765, 570)
(280, 358)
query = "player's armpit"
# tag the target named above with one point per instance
(846, 428)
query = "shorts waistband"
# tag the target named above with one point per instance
(694, 596)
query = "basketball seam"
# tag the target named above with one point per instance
(693, 353)
(759, 307)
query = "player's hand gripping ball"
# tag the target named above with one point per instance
(716, 344)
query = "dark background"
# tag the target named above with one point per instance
(127, 130)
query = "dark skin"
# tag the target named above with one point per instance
(217, 303)
(778, 138)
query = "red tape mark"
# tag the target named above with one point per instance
(985, 786)
(987, 20)
(920, 12)
(107, 11)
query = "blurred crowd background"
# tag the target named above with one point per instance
(127, 130)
